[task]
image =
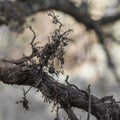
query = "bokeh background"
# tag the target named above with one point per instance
(85, 60)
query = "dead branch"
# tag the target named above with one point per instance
(89, 107)
(67, 96)
(26, 71)
(55, 91)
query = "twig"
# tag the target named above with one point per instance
(89, 105)
(34, 35)
(72, 85)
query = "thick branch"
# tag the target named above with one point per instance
(13, 72)
(66, 95)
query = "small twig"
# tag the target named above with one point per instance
(17, 61)
(23, 59)
(107, 113)
(34, 35)
(72, 85)
(89, 105)
(55, 18)
(117, 116)
(36, 84)
(28, 90)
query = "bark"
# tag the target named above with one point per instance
(67, 96)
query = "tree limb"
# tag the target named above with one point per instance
(109, 19)
(13, 72)
(65, 95)
(19, 10)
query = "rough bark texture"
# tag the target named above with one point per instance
(68, 96)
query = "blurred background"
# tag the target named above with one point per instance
(85, 60)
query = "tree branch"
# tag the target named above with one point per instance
(19, 10)
(65, 95)
(109, 19)
(20, 72)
